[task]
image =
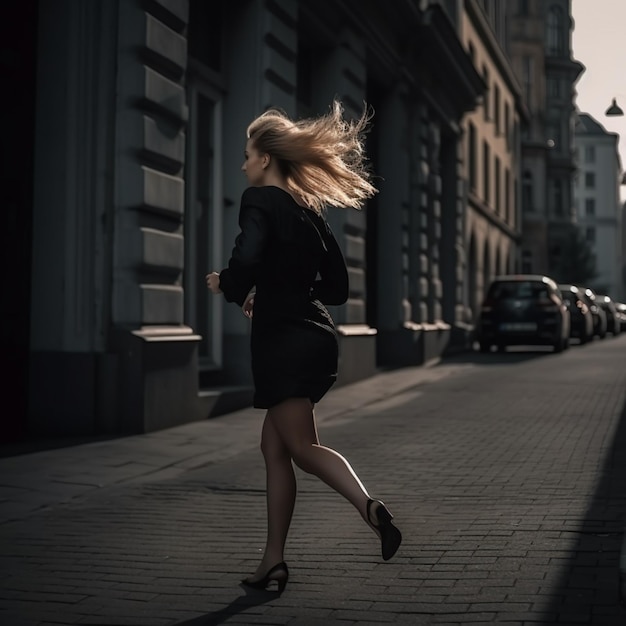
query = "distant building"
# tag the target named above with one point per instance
(597, 199)
(492, 153)
(539, 45)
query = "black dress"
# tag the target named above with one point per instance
(289, 254)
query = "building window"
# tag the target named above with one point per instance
(507, 125)
(555, 25)
(471, 156)
(527, 192)
(557, 197)
(205, 34)
(553, 86)
(523, 7)
(590, 154)
(590, 206)
(527, 262)
(486, 176)
(590, 234)
(496, 108)
(590, 180)
(528, 71)
(507, 194)
(486, 96)
(498, 192)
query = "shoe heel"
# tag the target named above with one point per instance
(278, 574)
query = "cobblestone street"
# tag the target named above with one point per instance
(506, 474)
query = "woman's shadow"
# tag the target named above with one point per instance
(250, 598)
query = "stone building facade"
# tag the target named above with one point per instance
(139, 113)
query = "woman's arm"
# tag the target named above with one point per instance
(333, 285)
(241, 275)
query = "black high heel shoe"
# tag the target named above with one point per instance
(279, 574)
(390, 536)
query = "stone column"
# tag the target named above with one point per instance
(157, 353)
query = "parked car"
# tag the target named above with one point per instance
(581, 319)
(613, 322)
(621, 310)
(523, 309)
(599, 316)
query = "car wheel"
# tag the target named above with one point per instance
(558, 345)
(501, 347)
(484, 346)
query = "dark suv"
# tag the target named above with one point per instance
(523, 309)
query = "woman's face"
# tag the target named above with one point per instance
(254, 165)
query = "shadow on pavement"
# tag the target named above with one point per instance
(241, 604)
(589, 589)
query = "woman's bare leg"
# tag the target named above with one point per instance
(281, 497)
(294, 421)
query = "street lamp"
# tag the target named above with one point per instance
(614, 109)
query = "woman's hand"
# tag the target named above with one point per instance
(248, 305)
(213, 282)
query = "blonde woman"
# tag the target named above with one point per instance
(286, 251)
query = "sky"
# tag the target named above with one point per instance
(599, 43)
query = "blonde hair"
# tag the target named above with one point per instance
(323, 158)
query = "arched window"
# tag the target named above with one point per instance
(555, 31)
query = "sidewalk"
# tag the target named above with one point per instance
(32, 482)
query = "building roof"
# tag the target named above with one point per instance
(587, 125)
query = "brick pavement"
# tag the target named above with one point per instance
(506, 474)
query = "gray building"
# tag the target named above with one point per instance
(597, 199)
(138, 113)
(539, 44)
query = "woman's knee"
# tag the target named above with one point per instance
(303, 457)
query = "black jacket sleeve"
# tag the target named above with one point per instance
(333, 285)
(241, 275)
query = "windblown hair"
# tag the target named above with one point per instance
(322, 158)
